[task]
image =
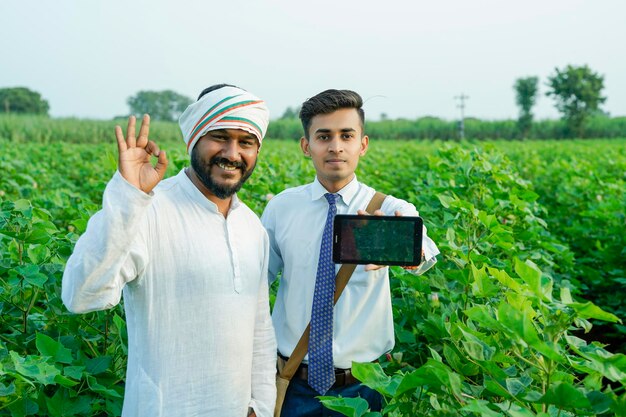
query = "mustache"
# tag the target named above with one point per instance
(237, 164)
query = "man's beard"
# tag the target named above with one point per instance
(203, 171)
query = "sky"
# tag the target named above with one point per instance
(408, 59)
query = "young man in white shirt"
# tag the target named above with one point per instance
(191, 261)
(362, 322)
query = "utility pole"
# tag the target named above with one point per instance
(461, 105)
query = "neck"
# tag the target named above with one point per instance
(223, 205)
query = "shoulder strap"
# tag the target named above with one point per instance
(341, 280)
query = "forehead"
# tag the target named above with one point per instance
(233, 133)
(341, 119)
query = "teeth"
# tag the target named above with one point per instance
(227, 167)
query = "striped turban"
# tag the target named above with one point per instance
(224, 108)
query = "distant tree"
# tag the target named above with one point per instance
(525, 97)
(578, 94)
(291, 113)
(164, 105)
(22, 100)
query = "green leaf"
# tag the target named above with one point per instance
(445, 200)
(519, 323)
(373, 376)
(50, 347)
(566, 396)
(98, 365)
(35, 368)
(589, 310)
(411, 381)
(95, 386)
(21, 205)
(5, 391)
(506, 280)
(62, 404)
(38, 254)
(481, 407)
(351, 407)
(32, 275)
(75, 372)
(65, 381)
(23, 407)
(482, 286)
(531, 275)
(482, 314)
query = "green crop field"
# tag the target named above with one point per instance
(521, 316)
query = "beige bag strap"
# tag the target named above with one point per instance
(341, 280)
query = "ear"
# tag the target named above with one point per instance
(304, 145)
(365, 142)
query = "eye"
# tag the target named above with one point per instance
(247, 143)
(323, 137)
(218, 137)
(347, 135)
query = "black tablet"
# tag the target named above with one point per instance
(381, 240)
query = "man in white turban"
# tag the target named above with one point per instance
(191, 261)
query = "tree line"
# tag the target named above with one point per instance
(577, 92)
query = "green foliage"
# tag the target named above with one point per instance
(525, 98)
(22, 100)
(578, 94)
(531, 258)
(21, 128)
(166, 105)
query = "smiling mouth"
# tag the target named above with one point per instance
(227, 167)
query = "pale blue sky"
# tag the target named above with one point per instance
(406, 58)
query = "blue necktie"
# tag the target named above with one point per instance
(321, 369)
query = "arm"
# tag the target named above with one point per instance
(264, 356)
(111, 252)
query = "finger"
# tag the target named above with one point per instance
(152, 148)
(131, 142)
(378, 213)
(161, 165)
(144, 130)
(398, 214)
(373, 267)
(121, 143)
(362, 213)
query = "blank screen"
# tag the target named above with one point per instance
(384, 240)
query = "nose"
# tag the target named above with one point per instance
(335, 145)
(231, 150)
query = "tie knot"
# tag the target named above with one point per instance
(332, 198)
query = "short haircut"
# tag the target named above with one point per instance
(327, 102)
(215, 87)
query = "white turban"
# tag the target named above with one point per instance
(224, 108)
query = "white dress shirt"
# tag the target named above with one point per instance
(363, 321)
(200, 339)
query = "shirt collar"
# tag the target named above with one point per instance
(347, 193)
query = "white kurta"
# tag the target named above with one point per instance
(200, 338)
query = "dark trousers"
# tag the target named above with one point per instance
(300, 399)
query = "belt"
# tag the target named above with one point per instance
(343, 377)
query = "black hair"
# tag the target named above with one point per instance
(327, 102)
(215, 87)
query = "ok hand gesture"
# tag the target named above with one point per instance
(134, 156)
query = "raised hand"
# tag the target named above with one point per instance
(135, 153)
